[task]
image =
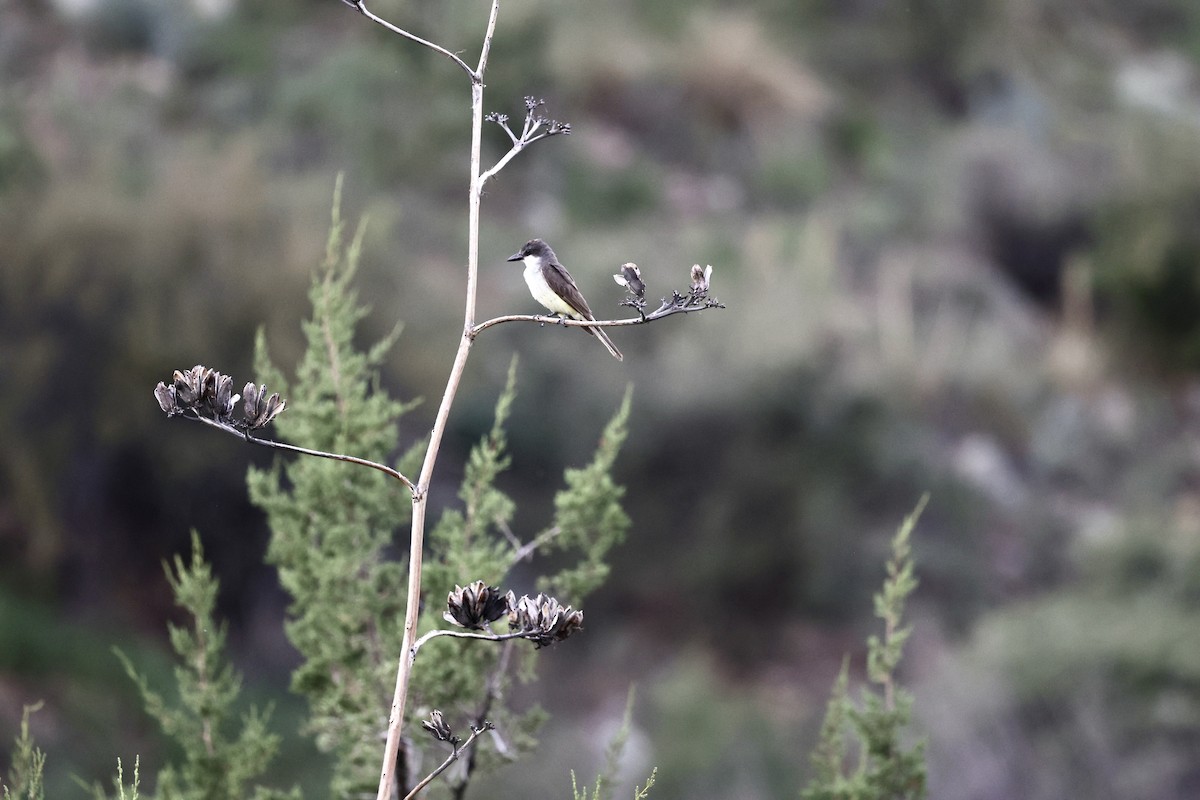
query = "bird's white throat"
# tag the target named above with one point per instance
(540, 289)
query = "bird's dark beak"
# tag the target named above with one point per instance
(515, 257)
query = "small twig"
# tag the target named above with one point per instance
(458, 750)
(502, 748)
(502, 121)
(517, 147)
(519, 144)
(524, 551)
(636, 304)
(488, 637)
(303, 450)
(506, 531)
(491, 694)
(361, 7)
(529, 133)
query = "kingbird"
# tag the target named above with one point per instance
(552, 286)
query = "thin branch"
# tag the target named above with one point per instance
(508, 130)
(502, 748)
(499, 165)
(487, 637)
(361, 7)
(506, 531)
(519, 144)
(245, 435)
(458, 750)
(492, 692)
(524, 551)
(667, 309)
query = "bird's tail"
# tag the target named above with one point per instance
(607, 342)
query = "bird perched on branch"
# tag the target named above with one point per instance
(552, 286)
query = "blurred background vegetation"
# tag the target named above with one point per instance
(960, 246)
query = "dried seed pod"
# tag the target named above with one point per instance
(219, 397)
(631, 278)
(258, 408)
(165, 395)
(189, 385)
(436, 725)
(475, 605)
(542, 619)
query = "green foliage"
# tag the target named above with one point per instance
(828, 759)
(119, 783)
(728, 731)
(28, 763)
(216, 762)
(333, 526)
(887, 769)
(602, 788)
(137, 780)
(332, 523)
(616, 746)
(1113, 652)
(642, 792)
(588, 514)
(639, 792)
(460, 677)
(465, 544)
(474, 542)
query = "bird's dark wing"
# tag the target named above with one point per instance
(564, 286)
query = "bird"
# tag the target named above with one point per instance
(552, 286)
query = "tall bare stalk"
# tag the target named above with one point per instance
(387, 774)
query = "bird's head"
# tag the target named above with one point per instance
(534, 249)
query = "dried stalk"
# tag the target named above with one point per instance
(387, 776)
